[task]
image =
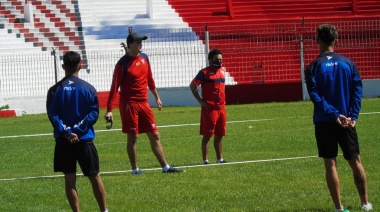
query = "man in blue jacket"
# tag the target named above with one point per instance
(335, 88)
(73, 109)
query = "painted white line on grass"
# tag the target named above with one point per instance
(160, 169)
(165, 126)
(369, 113)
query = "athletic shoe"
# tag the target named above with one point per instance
(341, 210)
(138, 172)
(367, 207)
(172, 170)
(223, 161)
(205, 163)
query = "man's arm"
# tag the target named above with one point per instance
(117, 78)
(157, 98)
(318, 100)
(91, 118)
(54, 119)
(356, 96)
(194, 91)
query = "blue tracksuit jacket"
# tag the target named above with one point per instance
(334, 85)
(73, 107)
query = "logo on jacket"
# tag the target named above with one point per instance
(329, 57)
(331, 64)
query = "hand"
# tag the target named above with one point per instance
(124, 46)
(351, 123)
(109, 117)
(73, 138)
(343, 121)
(159, 104)
(203, 104)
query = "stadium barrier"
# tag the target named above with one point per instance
(253, 54)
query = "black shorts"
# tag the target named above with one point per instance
(66, 156)
(330, 134)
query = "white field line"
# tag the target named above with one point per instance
(181, 125)
(160, 169)
(165, 126)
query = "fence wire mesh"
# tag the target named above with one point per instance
(252, 53)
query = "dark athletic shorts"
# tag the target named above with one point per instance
(66, 156)
(330, 134)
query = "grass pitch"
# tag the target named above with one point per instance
(271, 149)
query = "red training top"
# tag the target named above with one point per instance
(212, 82)
(133, 75)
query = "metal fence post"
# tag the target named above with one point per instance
(229, 9)
(305, 94)
(28, 13)
(207, 43)
(55, 64)
(354, 6)
(149, 9)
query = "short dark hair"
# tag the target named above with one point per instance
(213, 52)
(71, 60)
(327, 33)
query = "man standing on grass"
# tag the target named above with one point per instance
(73, 109)
(335, 88)
(133, 76)
(213, 111)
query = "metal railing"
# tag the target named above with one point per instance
(269, 53)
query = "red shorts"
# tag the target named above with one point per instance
(137, 117)
(213, 122)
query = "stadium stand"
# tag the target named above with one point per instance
(95, 28)
(98, 26)
(260, 40)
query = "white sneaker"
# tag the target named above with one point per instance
(367, 207)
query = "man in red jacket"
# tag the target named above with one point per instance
(133, 75)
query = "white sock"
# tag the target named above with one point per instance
(220, 160)
(205, 161)
(166, 167)
(135, 170)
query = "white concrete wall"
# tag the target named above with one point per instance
(181, 96)
(37, 104)
(371, 88)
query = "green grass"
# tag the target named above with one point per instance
(273, 131)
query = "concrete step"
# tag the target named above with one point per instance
(169, 22)
(57, 39)
(51, 34)
(64, 20)
(17, 25)
(53, 8)
(57, 15)
(15, 44)
(6, 3)
(45, 30)
(110, 9)
(57, 43)
(18, 50)
(7, 37)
